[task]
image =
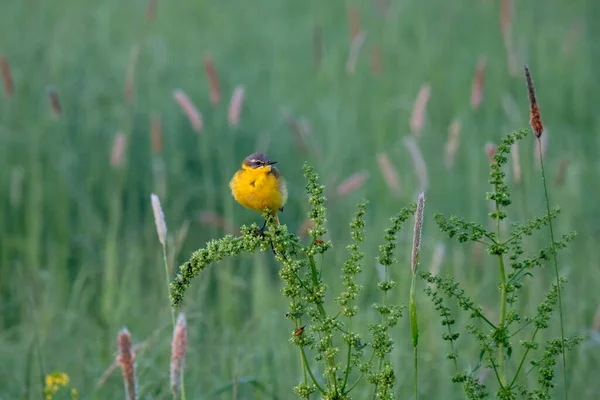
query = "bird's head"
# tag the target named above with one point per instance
(258, 161)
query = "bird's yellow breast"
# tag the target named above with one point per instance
(257, 188)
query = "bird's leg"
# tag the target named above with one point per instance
(262, 229)
(261, 232)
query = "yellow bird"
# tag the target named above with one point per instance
(258, 185)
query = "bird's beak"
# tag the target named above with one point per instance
(271, 162)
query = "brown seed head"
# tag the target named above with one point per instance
(352, 183)
(478, 83)
(125, 361)
(490, 150)
(534, 111)
(54, 102)
(178, 347)
(452, 143)
(417, 118)
(213, 80)
(375, 61)
(354, 21)
(118, 150)
(6, 76)
(189, 109)
(235, 105)
(390, 174)
(317, 45)
(562, 172)
(151, 10)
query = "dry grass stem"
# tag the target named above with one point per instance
(390, 174)
(354, 22)
(490, 150)
(6, 76)
(54, 102)
(17, 174)
(596, 321)
(352, 183)
(235, 105)
(417, 118)
(505, 18)
(452, 144)
(159, 219)
(418, 162)
(535, 119)
(130, 79)
(213, 80)
(189, 109)
(125, 360)
(355, 52)
(376, 60)
(156, 134)
(178, 347)
(516, 162)
(118, 150)
(318, 45)
(478, 83)
(417, 232)
(562, 172)
(151, 10)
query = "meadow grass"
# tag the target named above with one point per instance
(79, 256)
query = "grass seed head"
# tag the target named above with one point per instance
(159, 219)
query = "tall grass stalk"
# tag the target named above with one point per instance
(161, 231)
(538, 128)
(414, 325)
(557, 276)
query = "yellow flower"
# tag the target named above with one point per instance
(55, 381)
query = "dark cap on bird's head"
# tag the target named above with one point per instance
(257, 160)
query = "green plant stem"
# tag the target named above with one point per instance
(385, 272)
(523, 360)
(560, 311)
(315, 278)
(416, 382)
(501, 367)
(164, 250)
(312, 377)
(414, 327)
(305, 366)
(361, 375)
(347, 372)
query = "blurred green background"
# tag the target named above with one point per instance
(79, 255)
